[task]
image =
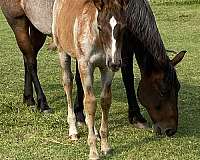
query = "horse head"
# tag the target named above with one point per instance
(158, 92)
(111, 24)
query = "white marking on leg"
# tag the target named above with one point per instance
(65, 62)
(113, 23)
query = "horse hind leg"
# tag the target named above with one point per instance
(78, 103)
(20, 27)
(37, 41)
(65, 62)
(106, 97)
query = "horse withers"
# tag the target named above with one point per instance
(91, 32)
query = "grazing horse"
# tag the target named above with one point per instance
(159, 86)
(90, 31)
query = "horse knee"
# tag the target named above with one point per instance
(106, 95)
(90, 104)
(106, 100)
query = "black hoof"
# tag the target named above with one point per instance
(29, 100)
(43, 107)
(137, 120)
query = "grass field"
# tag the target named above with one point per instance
(25, 135)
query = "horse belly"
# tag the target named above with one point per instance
(40, 13)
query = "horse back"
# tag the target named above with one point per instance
(71, 20)
(40, 13)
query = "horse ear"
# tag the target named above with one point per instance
(98, 4)
(178, 58)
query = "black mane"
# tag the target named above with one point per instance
(146, 39)
(142, 23)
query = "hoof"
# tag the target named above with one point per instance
(49, 110)
(94, 156)
(140, 125)
(106, 151)
(98, 137)
(81, 124)
(74, 137)
(43, 107)
(135, 117)
(29, 101)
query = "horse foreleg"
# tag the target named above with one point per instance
(134, 114)
(90, 105)
(65, 62)
(37, 40)
(106, 97)
(78, 103)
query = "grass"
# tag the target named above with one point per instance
(26, 135)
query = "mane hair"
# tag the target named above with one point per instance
(142, 23)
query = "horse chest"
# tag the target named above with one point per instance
(98, 60)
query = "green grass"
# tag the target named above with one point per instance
(26, 135)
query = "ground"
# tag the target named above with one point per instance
(26, 135)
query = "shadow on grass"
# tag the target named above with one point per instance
(189, 101)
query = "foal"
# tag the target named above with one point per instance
(91, 32)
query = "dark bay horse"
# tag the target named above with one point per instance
(159, 86)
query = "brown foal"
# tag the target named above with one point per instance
(91, 32)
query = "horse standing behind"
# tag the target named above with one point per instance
(91, 32)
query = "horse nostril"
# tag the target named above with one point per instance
(114, 66)
(170, 132)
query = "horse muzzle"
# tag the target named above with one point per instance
(114, 66)
(164, 131)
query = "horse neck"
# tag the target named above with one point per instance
(145, 59)
(141, 22)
